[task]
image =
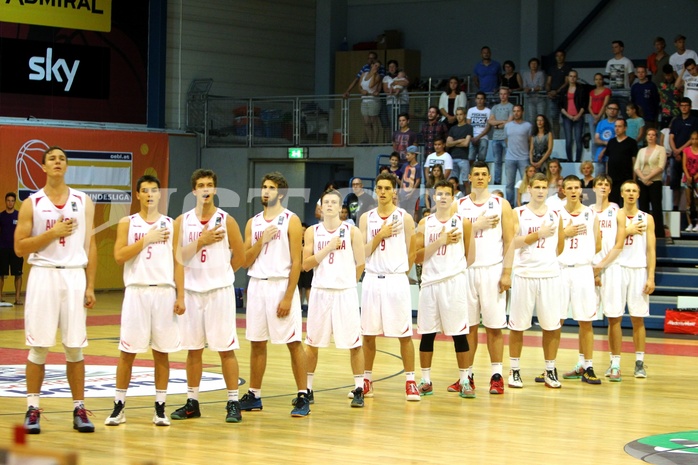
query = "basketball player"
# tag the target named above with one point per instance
(55, 229)
(489, 276)
(335, 249)
(144, 246)
(273, 246)
(582, 241)
(539, 240)
(443, 246)
(204, 239)
(637, 263)
(606, 267)
(386, 307)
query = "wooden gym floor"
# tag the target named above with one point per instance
(578, 424)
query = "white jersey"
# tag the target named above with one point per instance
(608, 225)
(154, 265)
(338, 269)
(67, 251)
(634, 253)
(538, 260)
(448, 260)
(210, 267)
(274, 261)
(391, 254)
(579, 249)
(489, 246)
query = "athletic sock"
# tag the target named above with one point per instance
(580, 360)
(78, 403)
(358, 381)
(640, 356)
(257, 393)
(193, 392)
(160, 396)
(310, 381)
(120, 396)
(615, 361)
(409, 375)
(426, 375)
(497, 368)
(463, 375)
(233, 394)
(588, 364)
(515, 363)
(33, 400)
(368, 375)
(550, 364)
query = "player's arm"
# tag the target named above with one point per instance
(597, 235)
(357, 245)
(408, 225)
(468, 241)
(651, 256)
(123, 251)
(560, 236)
(179, 307)
(25, 243)
(617, 247)
(310, 261)
(295, 241)
(91, 249)
(507, 242)
(237, 247)
(417, 243)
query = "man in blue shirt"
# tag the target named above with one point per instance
(605, 131)
(487, 72)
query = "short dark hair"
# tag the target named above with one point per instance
(397, 65)
(571, 178)
(480, 93)
(406, 115)
(660, 40)
(668, 69)
(510, 63)
(147, 178)
(332, 192)
(537, 177)
(443, 183)
(442, 139)
(532, 60)
(278, 179)
(618, 42)
(203, 173)
(395, 154)
(479, 164)
(686, 99)
(517, 105)
(388, 177)
(51, 149)
(689, 62)
(603, 177)
(485, 47)
(11, 194)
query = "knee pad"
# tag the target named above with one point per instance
(73, 354)
(460, 343)
(37, 355)
(427, 342)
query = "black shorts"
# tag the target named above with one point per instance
(10, 263)
(305, 279)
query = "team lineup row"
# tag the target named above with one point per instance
(179, 275)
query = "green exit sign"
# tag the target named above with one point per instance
(297, 152)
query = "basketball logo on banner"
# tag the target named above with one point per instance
(103, 175)
(30, 175)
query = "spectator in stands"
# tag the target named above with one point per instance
(372, 58)
(518, 133)
(397, 98)
(439, 157)
(370, 82)
(586, 169)
(500, 115)
(478, 117)
(330, 185)
(557, 79)
(486, 72)
(554, 176)
(541, 144)
(395, 167)
(645, 95)
(604, 132)
(620, 70)
(573, 103)
(656, 61)
(669, 96)
(678, 58)
(404, 136)
(680, 132)
(522, 194)
(344, 215)
(688, 79)
(620, 155)
(556, 196)
(690, 169)
(458, 145)
(451, 99)
(649, 168)
(598, 99)
(636, 123)
(432, 129)
(359, 201)
(533, 84)
(457, 192)
(408, 194)
(511, 79)
(437, 175)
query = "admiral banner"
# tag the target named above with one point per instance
(104, 164)
(90, 15)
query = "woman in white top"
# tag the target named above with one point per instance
(649, 167)
(370, 82)
(450, 100)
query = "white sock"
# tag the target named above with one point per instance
(515, 363)
(368, 375)
(120, 396)
(33, 400)
(358, 381)
(160, 396)
(463, 375)
(310, 381)
(588, 364)
(409, 375)
(497, 368)
(615, 361)
(580, 360)
(193, 392)
(550, 364)
(257, 392)
(233, 394)
(426, 375)
(78, 403)
(640, 356)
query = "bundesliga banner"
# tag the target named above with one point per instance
(103, 164)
